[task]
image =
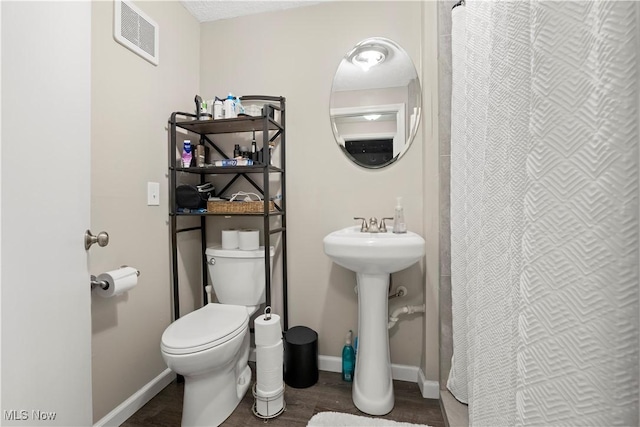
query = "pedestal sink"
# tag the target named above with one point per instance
(373, 256)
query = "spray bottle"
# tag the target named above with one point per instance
(348, 359)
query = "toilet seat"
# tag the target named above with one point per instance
(207, 327)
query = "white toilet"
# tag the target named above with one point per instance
(210, 346)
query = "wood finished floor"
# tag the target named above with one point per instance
(329, 394)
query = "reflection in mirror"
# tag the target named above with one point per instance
(375, 103)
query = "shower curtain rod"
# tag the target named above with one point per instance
(460, 3)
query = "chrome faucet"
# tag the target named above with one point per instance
(383, 226)
(364, 227)
(372, 226)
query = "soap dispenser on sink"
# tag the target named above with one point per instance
(399, 226)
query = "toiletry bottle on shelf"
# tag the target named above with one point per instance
(271, 146)
(187, 156)
(200, 155)
(399, 226)
(217, 109)
(254, 148)
(203, 115)
(230, 107)
(236, 151)
(348, 359)
(237, 105)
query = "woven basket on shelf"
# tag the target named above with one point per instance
(239, 207)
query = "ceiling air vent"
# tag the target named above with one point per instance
(136, 31)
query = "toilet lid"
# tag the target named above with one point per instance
(207, 327)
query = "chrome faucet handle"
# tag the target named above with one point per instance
(373, 225)
(364, 227)
(383, 225)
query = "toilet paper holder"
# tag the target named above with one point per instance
(104, 284)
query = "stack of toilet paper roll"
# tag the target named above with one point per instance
(269, 389)
(243, 239)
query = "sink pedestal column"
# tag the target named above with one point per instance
(372, 383)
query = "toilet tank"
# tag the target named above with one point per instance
(237, 276)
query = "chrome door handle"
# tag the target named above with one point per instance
(102, 239)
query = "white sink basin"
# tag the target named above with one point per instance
(373, 256)
(373, 253)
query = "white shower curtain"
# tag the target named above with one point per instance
(544, 212)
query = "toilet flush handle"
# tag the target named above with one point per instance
(211, 261)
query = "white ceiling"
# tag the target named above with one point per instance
(213, 10)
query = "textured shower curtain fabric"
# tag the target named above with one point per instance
(457, 382)
(544, 212)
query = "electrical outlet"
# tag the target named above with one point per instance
(153, 194)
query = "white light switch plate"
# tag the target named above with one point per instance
(153, 194)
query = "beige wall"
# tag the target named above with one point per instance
(295, 53)
(131, 103)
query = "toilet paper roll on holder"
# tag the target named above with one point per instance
(103, 283)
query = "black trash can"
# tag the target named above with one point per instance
(300, 357)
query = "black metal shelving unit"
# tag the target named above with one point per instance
(272, 131)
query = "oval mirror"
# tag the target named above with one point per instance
(375, 103)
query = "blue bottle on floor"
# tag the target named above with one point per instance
(348, 359)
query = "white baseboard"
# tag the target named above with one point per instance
(398, 372)
(430, 389)
(129, 407)
(330, 363)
